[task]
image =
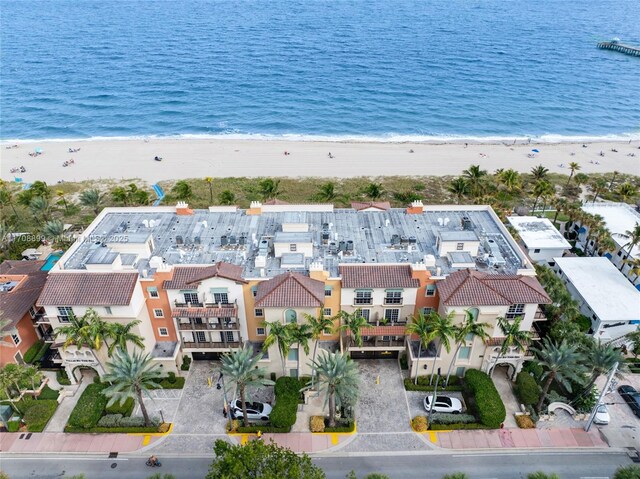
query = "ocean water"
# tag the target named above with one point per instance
(383, 69)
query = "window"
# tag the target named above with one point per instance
(107, 310)
(221, 298)
(293, 247)
(153, 292)
(326, 311)
(431, 290)
(65, 313)
(260, 331)
(158, 313)
(259, 312)
(163, 331)
(228, 337)
(254, 291)
(427, 311)
(474, 312)
(469, 337)
(363, 297)
(328, 290)
(465, 352)
(16, 339)
(32, 312)
(201, 337)
(537, 250)
(191, 298)
(391, 314)
(365, 313)
(393, 296)
(460, 246)
(290, 316)
(293, 354)
(460, 372)
(514, 311)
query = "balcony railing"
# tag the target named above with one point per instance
(189, 305)
(193, 326)
(206, 304)
(361, 301)
(539, 315)
(42, 319)
(393, 301)
(48, 338)
(209, 345)
(379, 343)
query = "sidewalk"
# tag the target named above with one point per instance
(75, 443)
(300, 441)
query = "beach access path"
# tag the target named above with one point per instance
(198, 158)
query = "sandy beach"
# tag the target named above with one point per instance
(198, 158)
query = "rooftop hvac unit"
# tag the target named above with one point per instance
(404, 239)
(325, 237)
(325, 226)
(179, 239)
(196, 239)
(350, 245)
(342, 246)
(232, 239)
(223, 240)
(242, 240)
(440, 221)
(395, 239)
(413, 239)
(333, 247)
(467, 224)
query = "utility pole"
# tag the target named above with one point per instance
(226, 406)
(603, 393)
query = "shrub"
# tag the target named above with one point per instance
(89, 408)
(287, 391)
(132, 422)
(38, 414)
(48, 393)
(125, 410)
(96, 380)
(171, 377)
(445, 418)
(110, 420)
(487, 401)
(446, 427)
(533, 368)
(316, 424)
(341, 426)
(13, 426)
(404, 364)
(42, 352)
(419, 423)
(583, 323)
(455, 384)
(164, 427)
(627, 472)
(527, 389)
(456, 475)
(177, 384)
(524, 421)
(186, 363)
(542, 475)
(32, 352)
(62, 378)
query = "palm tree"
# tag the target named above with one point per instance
(279, 334)
(547, 194)
(33, 375)
(541, 187)
(338, 379)
(633, 235)
(562, 364)
(92, 198)
(53, 229)
(601, 358)
(240, 367)
(634, 267)
(182, 190)
(613, 179)
(327, 191)
(62, 199)
(131, 376)
(560, 204)
(39, 206)
(512, 337)
(6, 199)
(458, 187)
(301, 334)
(634, 338)
(269, 188)
(573, 167)
(209, 181)
(475, 177)
(40, 188)
(580, 179)
(420, 327)
(597, 186)
(226, 197)
(443, 331)
(119, 195)
(462, 331)
(86, 331)
(353, 323)
(510, 179)
(373, 191)
(539, 172)
(122, 334)
(319, 325)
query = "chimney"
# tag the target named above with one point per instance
(255, 208)
(316, 271)
(416, 208)
(182, 209)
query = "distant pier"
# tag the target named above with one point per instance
(620, 47)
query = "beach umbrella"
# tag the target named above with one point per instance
(536, 150)
(38, 150)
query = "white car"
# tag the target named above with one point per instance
(255, 410)
(602, 415)
(443, 404)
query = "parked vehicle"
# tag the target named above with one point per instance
(255, 410)
(632, 398)
(443, 404)
(602, 415)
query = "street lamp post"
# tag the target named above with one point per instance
(605, 389)
(226, 406)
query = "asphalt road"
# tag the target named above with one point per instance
(492, 465)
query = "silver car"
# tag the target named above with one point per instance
(255, 410)
(602, 415)
(443, 404)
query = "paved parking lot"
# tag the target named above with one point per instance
(416, 401)
(624, 428)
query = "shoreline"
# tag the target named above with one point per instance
(226, 157)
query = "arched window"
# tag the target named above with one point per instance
(290, 316)
(474, 312)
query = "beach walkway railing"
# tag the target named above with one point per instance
(620, 47)
(159, 193)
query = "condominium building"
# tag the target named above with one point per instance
(539, 238)
(203, 282)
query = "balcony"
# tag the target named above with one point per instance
(210, 345)
(392, 301)
(193, 326)
(48, 338)
(42, 319)
(381, 343)
(362, 301)
(206, 310)
(539, 315)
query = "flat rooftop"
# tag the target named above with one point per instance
(605, 289)
(618, 217)
(380, 237)
(538, 232)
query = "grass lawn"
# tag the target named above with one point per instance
(561, 217)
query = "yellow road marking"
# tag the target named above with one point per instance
(146, 440)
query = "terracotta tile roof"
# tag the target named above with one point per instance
(379, 205)
(15, 304)
(204, 312)
(185, 277)
(473, 288)
(382, 331)
(290, 290)
(88, 289)
(378, 276)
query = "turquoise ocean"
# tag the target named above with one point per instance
(346, 69)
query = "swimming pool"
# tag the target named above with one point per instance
(51, 260)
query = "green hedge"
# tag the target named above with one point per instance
(527, 389)
(445, 418)
(126, 409)
(42, 352)
(62, 378)
(186, 363)
(486, 400)
(287, 391)
(263, 429)
(32, 352)
(48, 393)
(89, 408)
(342, 426)
(446, 427)
(455, 384)
(404, 364)
(38, 414)
(178, 384)
(13, 426)
(112, 429)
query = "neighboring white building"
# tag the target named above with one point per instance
(541, 240)
(618, 218)
(603, 294)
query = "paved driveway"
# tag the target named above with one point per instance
(416, 401)
(624, 428)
